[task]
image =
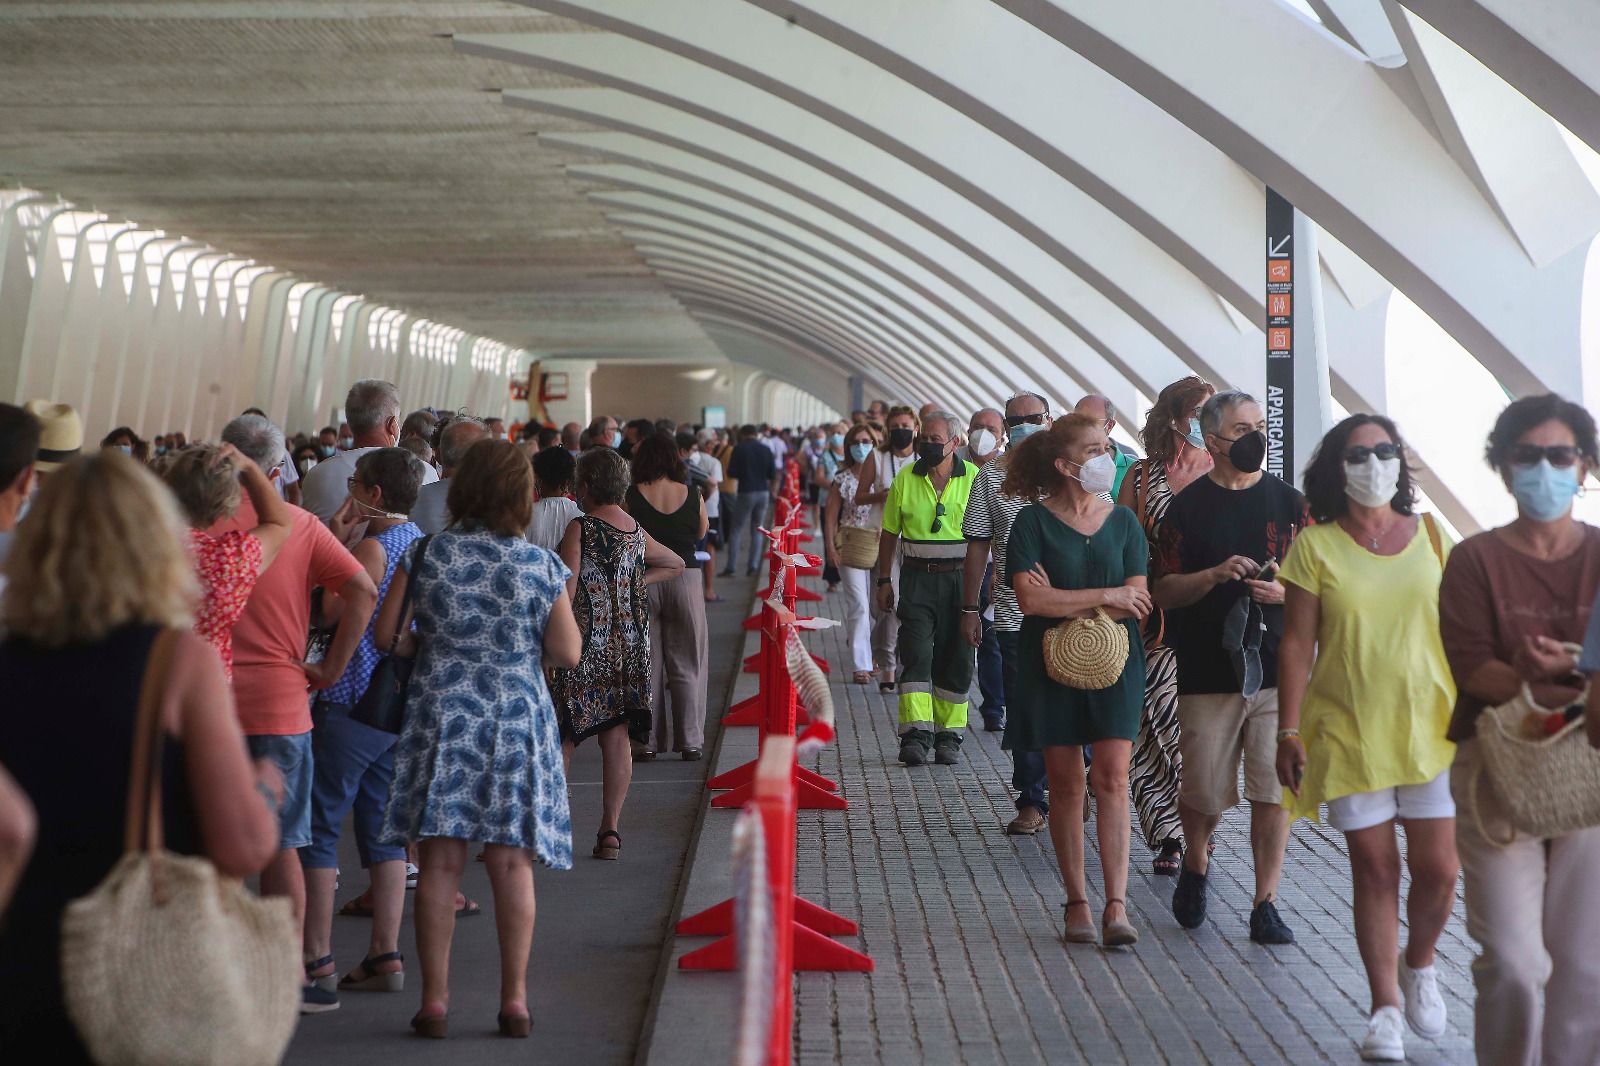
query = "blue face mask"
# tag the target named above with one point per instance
(1022, 431)
(1544, 493)
(860, 451)
(616, 438)
(837, 440)
(1194, 436)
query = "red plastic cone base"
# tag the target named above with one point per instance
(717, 920)
(752, 663)
(802, 774)
(739, 775)
(822, 664)
(752, 623)
(745, 712)
(808, 797)
(812, 951)
(805, 595)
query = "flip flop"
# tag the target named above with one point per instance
(356, 909)
(469, 909)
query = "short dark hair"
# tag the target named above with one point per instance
(603, 476)
(642, 426)
(19, 443)
(685, 441)
(747, 430)
(553, 470)
(492, 489)
(327, 429)
(546, 436)
(1324, 478)
(397, 472)
(656, 457)
(1522, 415)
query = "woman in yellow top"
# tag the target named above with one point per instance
(1366, 735)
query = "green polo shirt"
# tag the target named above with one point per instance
(912, 506)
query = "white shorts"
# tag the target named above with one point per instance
(1431, 799)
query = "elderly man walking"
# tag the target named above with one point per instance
(922, 517)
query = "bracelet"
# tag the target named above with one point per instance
(974, 609)
(1285, 734)
(885, 580)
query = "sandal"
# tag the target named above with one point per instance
(366, 978)
(514, 1024)
(328, 982)
(469, 909)
(434, 1026)
(356, 909)
(861, 677)
(1117, 934)
(602, 850)
(1169, 859)
(1081, 932)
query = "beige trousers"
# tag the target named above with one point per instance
(1531, 906)
(678, 652)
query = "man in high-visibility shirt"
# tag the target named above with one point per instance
(922, 520)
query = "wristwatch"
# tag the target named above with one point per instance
(884, 580)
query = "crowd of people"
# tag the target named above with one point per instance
(1328, 647)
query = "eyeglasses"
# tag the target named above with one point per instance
(1560, 455)
(1361, 453)
(352, 482)
(938, 514)
(1017, 420)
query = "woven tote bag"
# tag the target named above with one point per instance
(1550, 786)
(857, 546)
(1086, 653)
(166, 962)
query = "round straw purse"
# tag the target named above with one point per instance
(1086, 653)
(1548, 785)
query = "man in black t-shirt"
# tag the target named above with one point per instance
(1218, 548)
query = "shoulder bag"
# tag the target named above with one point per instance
(383, 705)
(167, 962)
(1549, 785)
(1086, 653)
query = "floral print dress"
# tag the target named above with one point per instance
(479, 757)
(611, 684)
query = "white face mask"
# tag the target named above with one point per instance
(1372, 483)
(982, 443)
(1098, 474)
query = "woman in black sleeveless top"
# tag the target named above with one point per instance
(673, 512)
(97, 570)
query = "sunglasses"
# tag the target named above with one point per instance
(1017, 420)
(1361, 453)
(1560, 455)
(938, 515)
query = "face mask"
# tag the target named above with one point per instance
(901, 437)
(931, 453)
(837, 440)
(325, 451)
(982, 443)
(304, 465)
(161, 449)
(1247, 452)
(1372, 483)
(1544, 493)
(1193, 435)
(1022, 431)
(347, 443)
(860, 451)
(125, 449)
(1098, 474)
(616, 438)
(368, 511)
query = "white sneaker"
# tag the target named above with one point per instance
(1425, 1010)
(411, 875)
(1385, 1041)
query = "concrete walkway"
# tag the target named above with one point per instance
(598, 939)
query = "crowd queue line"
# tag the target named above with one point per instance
(1138, 626)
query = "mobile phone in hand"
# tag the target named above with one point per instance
(1262, 570)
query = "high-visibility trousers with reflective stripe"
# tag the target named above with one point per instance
(935, 663)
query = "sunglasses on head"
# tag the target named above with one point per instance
(1560, 455)
(1017, 420)
(1360, 453)
(938, 515)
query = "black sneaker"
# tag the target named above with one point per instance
(1266, 927)
(946, 748)
(914, 744)
(315, 1000)
(1189, 899)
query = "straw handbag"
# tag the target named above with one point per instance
(1086, 653)
(1549, 786)
(166, 962)
(857, 546)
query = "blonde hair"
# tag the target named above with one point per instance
(103, 546)
(207, 490)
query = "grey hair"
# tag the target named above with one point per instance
(1030, 395)
(1105, 401)
(603, 475)
(456, 438)
(257, 439)
(952, 424)
(370, 404)
(1217, 408)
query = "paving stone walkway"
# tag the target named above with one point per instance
(964, 923)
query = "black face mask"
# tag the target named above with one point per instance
(1248, 452)
(931, 453)
(900, 437)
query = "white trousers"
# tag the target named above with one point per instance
(858, 615)
(1531, 908)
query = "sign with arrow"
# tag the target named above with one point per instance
(1280, 336)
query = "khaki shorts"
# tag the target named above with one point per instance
(1214, 731)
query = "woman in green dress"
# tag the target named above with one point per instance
(1070, 554)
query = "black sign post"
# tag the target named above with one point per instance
(1280, 336)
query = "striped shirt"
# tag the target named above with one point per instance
(989, 517)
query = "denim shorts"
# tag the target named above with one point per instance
(355, 764)
(292, 756)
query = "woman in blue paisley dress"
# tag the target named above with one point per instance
(611, 559)
(479, 757)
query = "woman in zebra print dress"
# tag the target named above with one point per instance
(1173, 460)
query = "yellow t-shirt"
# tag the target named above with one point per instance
(1379, 701)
